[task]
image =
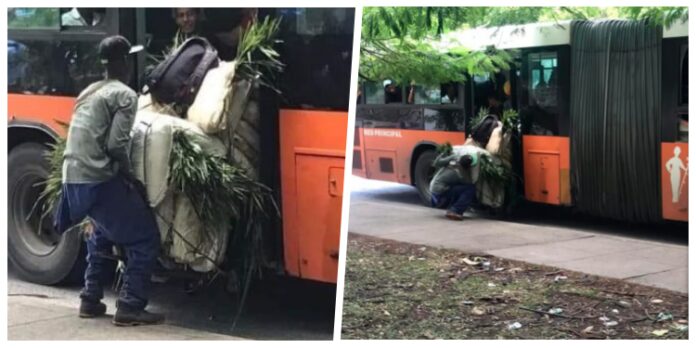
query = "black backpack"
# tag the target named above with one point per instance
(178, 78)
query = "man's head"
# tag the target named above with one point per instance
(187, 19)
(113, 53)
(677, 151)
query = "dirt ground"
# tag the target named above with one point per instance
(396, 290)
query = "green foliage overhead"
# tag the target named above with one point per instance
(401, 43)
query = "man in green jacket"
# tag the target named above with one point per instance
(98, 183)
(453, 186)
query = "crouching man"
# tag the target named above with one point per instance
(453, 186)
(98, 183)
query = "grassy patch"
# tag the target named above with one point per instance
(401, 291)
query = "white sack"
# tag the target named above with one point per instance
(207, 109)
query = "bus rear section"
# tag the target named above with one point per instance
(52, 62)
(604, 126)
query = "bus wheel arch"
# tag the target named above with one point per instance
(45, 257)
(421, 169)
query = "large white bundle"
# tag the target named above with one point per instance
(207, 109)
(184, 238)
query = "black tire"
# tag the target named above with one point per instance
(45, 258)
(422, 174)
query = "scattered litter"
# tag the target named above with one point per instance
(515, 270)
(588, 329)
(555, 310)
(682, 321)
(664, 316)
(410, 258)
(421, 258)
(500, 269)
(478, 311)
(615, 311)
(421, 248)
(470, 262)
(467, 303)
(656, 301)
(660, 333)
(491, 285)
(558, 278)
(680, 327)
(387, 313)
(604, 318)
(624, 304)
(611, 323)
(486, 264)
(514, 326)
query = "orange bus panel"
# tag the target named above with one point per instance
(398, 144)
(43, 109)
(312, 159)
(546, 169)
(674, 176)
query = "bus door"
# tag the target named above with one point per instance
(675, 129)
(313, 120)
(543, 105)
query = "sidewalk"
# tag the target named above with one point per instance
(662, 265)
(38, 318)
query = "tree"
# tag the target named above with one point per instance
(403, 43)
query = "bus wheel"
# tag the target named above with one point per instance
(39, 256)
(423, 173)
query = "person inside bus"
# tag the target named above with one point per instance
(82, 17)
(453, 186)
(392, 93)
(99, 186)
(495, 104)
(226, 27)
(187, 22)
(450, 94)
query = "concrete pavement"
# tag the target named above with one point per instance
(41, 318)
(582, 249)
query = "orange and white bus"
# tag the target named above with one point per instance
(295, 139)
(620, 169)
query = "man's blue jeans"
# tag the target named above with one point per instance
(122, 217)
(457, 199)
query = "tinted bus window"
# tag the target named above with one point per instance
(374, 93)
(82, 17)
(543, 79)
(684, 93)
(33, 18)
(316, 50)
(61, 68)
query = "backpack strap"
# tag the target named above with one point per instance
(193, 83)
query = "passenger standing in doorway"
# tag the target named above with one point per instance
(98, 184)
(188, 23)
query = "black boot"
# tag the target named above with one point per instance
(91, 309)
(129, 317)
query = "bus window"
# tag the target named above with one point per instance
(374, 92)
(393, 93)
(33, 18)
(384, 92)
(684, 93)
(543, 82)
(425, 95)
(82, 17)
(444, 119)
(57, 68)
(319, 47)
